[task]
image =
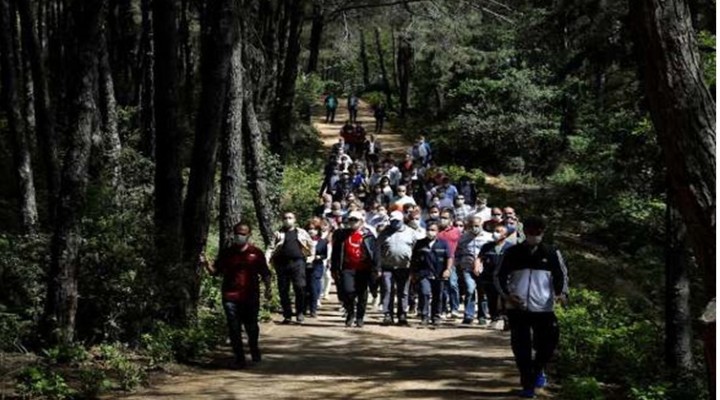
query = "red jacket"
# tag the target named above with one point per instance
(241, 271)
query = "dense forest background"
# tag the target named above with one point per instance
(135, 133)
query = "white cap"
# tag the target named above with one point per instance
(357, 215)
(397, 216)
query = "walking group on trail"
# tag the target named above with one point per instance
(400, 237)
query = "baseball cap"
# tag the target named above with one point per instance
(397, 216)
(356, 215)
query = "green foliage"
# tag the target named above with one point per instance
(707, 40)
(22, 289)
(73, 354)
(128, 374)
(38, 382)
(93, 382)
(652, 392)
(13, 330)
(581, 388)
(300, 188)
(374, 98)
(455, 172)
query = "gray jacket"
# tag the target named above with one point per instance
(394, 248)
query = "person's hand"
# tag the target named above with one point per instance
(446, 274)
(477, 269)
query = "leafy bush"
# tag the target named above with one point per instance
(13, 330)
(92, 382)
(374, 98)
(114, 357)
(22, 286)
(72, 354)
(41, 382)
(652, 392)
(581, 388)
(300, 188)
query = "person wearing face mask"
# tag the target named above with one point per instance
(352, 263)
(242, 265)
(491, 256)
(315, 270)
(431, 266)
(481, 208)
(450, 234)
(402, 197)
(326, 234)
(461, 210)
(290, 247)
(466, 256)
(392, 265)
(532, 279)
(414, 222)
(496, 218)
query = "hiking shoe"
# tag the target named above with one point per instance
(527, 394)
(286, 321)
(541, 380)
(387, 320)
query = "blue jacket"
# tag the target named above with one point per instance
(491, 259)
(430, 261)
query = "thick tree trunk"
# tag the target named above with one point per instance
(111, 145)
(683, 113)
(168, 180)
(231, 153)
(62, 295)
(11, 104)
(216, 53)
(280, 139)
(256, 176)
(318, 24)
(383, 70)
(364, 59)
(145, 91)
(678, 319)
(404, 71)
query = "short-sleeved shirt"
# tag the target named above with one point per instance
(241, 272)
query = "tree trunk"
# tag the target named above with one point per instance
(168, 180)
(683, 113)
(216, 52)
(364, 60)
(318, 23)
(231, 178)
(383, 70)
(678, 319)
(404, 70)
(62, 295)
(146, 92)
(280, 139)
(111, 145)
(256, 176)
(11, 104)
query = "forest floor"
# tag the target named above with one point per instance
(324, 360)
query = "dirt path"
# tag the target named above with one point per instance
(324, 360)
(391, 141)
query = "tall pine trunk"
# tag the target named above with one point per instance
(62, 296)
(316, 30)
(404, 71)
(383, 70)
(216, 52)
(111, 145)
(168, 180)
(146, 84)
(364, 60)
(11, 104)
(255, 172)
(231, 150)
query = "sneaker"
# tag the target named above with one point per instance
(482, 322)
(455, 314)
(527, 394)
(256, 356)
(286, 321)
(497, 325)
(300, 319)
(467, 321)
(425, 321)
(359, 323)
(541, 380)
(412, 310)
(402, 320)
(387, 320)
(349, 318)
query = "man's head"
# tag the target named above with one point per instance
(476, 225)
(432, 230)
(241, 234)
(434, 212)
(396, 220)
(414, 219)
(381, 210)
(446, 181)
(460, 201)
(355, 220)
(445, 219)
(496, 214)
(500, 232)
(481, 202)
(402, 190)
(289, 220)
(508, 212)
(534, 228)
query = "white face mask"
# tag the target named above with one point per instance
(313, 232)
(534, 240)
(432, 235)
(476, 230)
(289, 223)
(497, 236)
(239, 240)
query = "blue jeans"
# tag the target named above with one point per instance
(242, 315)
(314, 279)
(430, 293)
(451, 292)
(471, 283)
(394, 282)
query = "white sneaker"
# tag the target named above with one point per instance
(455, 314)
(498, 325)
(319, 303)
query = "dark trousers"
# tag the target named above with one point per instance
(394, 282)
(353, 111)
(330, 115)
(313, 285)
(355, 292)
(292, 273)
(493, 300)
(379, 122)
(239, 315)
(528, 331)
(430, 299)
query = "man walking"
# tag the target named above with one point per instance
(353, 102)
(491, 256)
(241, 266)
(532, 279)
(467, 253)
(431, 268)
(331, 104)
(290, 248)
(392, 261)
(353, 257)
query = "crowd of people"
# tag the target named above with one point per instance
(402, 237)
